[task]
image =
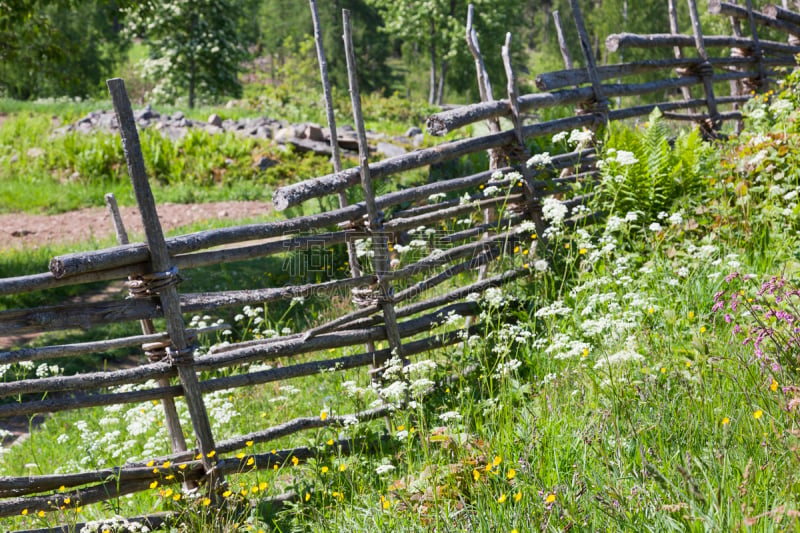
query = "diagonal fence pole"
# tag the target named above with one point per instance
(380, 246)
(154, 351)
(181, 353)
(706, 71)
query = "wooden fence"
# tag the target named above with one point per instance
(401, 317)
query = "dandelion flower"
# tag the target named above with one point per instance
(226, 493)
(323, 416)
(206, 502)
(476, 475)
(342, 467)
(177, 496)
(726, 421)
(40, 514)
(295, 460)
(154, 484)
(307, 496)
(757, 414)
(330, 442)
(511, 474)
(248, 443)
(250, 461)
(24, 512)
(550, 498)
(502, 498)
(702, 329)
(166, 464)
(324, 470)
(517, 496)
(497, 460)
(773, 386)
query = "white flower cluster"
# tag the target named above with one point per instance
(539, 160)
(114, 525)
(506, 368)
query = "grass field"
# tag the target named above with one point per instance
(642, 378)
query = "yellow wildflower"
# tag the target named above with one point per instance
(511, 474)
(550, 498)
(502, 498)
(757, 414)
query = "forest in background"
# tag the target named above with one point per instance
(185, 52)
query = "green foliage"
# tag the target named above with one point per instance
(194, 48)
(58, 48)
(287, 37)
(647, 173)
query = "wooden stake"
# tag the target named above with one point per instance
(173, 422)
(600, 101)
(161, 262)
(380, 245)
(708, 83)
(562, 42)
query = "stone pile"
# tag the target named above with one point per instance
(304, 137)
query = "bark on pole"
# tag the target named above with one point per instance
(380, 245)
(182, 356)
(484, 84)
(674, 28)
(173, 422)
(600, 104)
(706, 70)
(562, 42)
(352, 256)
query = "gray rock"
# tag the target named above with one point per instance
(263, 132)
(412, 131)
(418, 140)
(215, 120)
(313, 132)
(390, 150)
(212, 129)
(146, 114)
(177, 116)
(348, 143)
(285, 134)
(265, 162)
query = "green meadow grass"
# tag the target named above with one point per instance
(610, 390)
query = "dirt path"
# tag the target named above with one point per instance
(23, 230)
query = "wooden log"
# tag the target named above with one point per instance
(563, 78)
(83, 348)
(644, 110)
(275, 374)
(173, 423)
(484, 83)
(757, 48)
(380, 244)
(662, 40)
(789, 25)
(562, 42)
(294, 194)
(708, 81)
(78, 266)
(139, 479)
(85, 316)
(600, 100)
(182, 464)
(161, 262)
(697, 117)
(450, 120)
(352, 256)
(777, 12)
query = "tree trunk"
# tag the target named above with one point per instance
(432, 92)
(440, 90)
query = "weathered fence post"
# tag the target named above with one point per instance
(181, 353)
(154, 351)
(380, 245)
(674, 29)
(706, 72)
(600, 103)
(562, 42)
(513, 102)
